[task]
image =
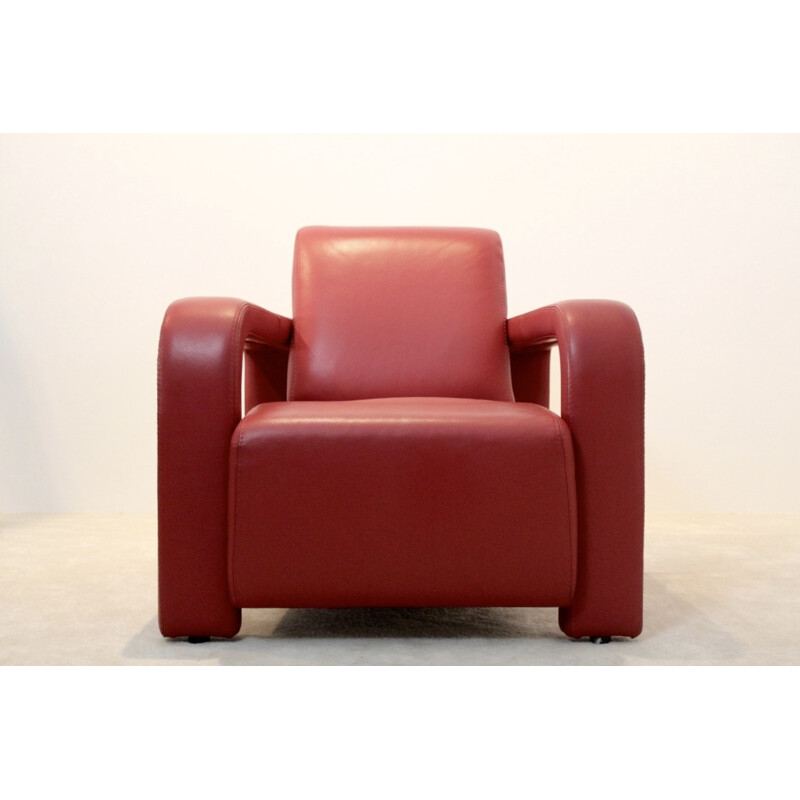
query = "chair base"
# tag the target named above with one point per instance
(199, 639)
(599, 639)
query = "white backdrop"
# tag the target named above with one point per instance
(700, 234)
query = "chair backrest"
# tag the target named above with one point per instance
(398, 312)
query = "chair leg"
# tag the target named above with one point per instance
(600, 639)
(199, 639)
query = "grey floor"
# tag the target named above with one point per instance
(81, 590)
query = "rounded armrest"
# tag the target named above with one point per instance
(201, 349)
(600, 345)
(602, 402)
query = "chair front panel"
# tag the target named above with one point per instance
(419, 501)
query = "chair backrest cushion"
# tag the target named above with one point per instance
(398, 312)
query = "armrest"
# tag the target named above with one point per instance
(201, 349)
(602, 402)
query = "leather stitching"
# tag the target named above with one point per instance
(236, 346)
(562, 334)
(234, 500)
(569, 520)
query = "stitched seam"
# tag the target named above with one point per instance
(541, 343)
(235, 504)
(566, 395)
(569, 516)
(562, 341)
(236, 337)
(254, 340)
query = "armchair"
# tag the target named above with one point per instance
(391, 445)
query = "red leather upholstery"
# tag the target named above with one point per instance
(602, 403)
(199, 405)
(392, 312)
(447, 502)
(383, 459)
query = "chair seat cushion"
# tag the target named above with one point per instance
(414, 501)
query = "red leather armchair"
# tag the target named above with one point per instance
(392, 445)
